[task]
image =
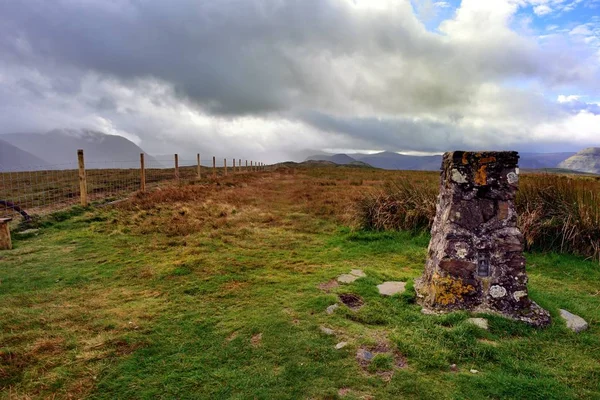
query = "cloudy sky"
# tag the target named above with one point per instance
(268, 78)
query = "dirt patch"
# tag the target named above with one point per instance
(380, 359)
(12, 365)
(353, 301)
(256, 340)
(329, 286)
(48, 346)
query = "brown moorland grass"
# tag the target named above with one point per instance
(556, 212)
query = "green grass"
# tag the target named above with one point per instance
(117, 303)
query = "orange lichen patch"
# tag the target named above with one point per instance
(465, 161)
(448, 290)
(487, 160)
(481, 175)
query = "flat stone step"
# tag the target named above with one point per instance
(352, 276)
(347, 278)
(391, 288)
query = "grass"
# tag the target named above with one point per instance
(213, 291)
(556, 212)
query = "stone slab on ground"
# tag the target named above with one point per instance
(347, 278)
(327, 331)
(574, 322)
(479, 322)
(331, 309)
(341, 345)
(358, 272)
(364, 355)
(391, 288)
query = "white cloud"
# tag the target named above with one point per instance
(567, 98)
(542, 10)
(581, 129)
(583, 29)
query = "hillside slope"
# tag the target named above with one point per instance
(391, 160)
(587, 160)
(60, 147)
(341, 159)
(13, 158)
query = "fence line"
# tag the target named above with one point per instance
(55, 187)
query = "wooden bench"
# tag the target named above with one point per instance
(5, 242)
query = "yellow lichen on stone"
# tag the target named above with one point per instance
(487, 160)
(448, 290)
(481, 175)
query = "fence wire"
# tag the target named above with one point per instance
(42, 190)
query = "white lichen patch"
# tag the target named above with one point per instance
(458, 177)
(461, 250)
(512, 177)
(519, 294)
(497, 291)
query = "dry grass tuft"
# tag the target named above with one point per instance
(556, 213)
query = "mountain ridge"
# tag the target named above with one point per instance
(586, 160)
(59, 147)
(13, 158)
(395, 161)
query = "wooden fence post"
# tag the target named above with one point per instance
(225, 166)
(177, 167)
(214, 167)
(240, 165)
(246, 166)
(199, 170)
(142, 173)
(251, 169)
(5, 242)
(234, 166)
(82, 178)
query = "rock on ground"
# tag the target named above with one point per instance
(327, 331)
(574, 322)
(347, 278)
(391, 288)
(358, 272)
(341, 345)
(479, 322)
(331, 309)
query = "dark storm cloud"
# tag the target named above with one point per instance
(247, 57)
(332, 72)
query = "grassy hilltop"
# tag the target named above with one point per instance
(218, 290)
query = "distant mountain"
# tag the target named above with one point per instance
(542, 160)
(390, 160)
(341, 159)
(60, 147)
(587, 160)
(14, 159)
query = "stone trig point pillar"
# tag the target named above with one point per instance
(475, 259)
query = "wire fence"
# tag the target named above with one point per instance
(42, 190)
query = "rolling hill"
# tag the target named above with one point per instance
(13, 158)
(59, 147)
(395, 161)
(587, 160)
